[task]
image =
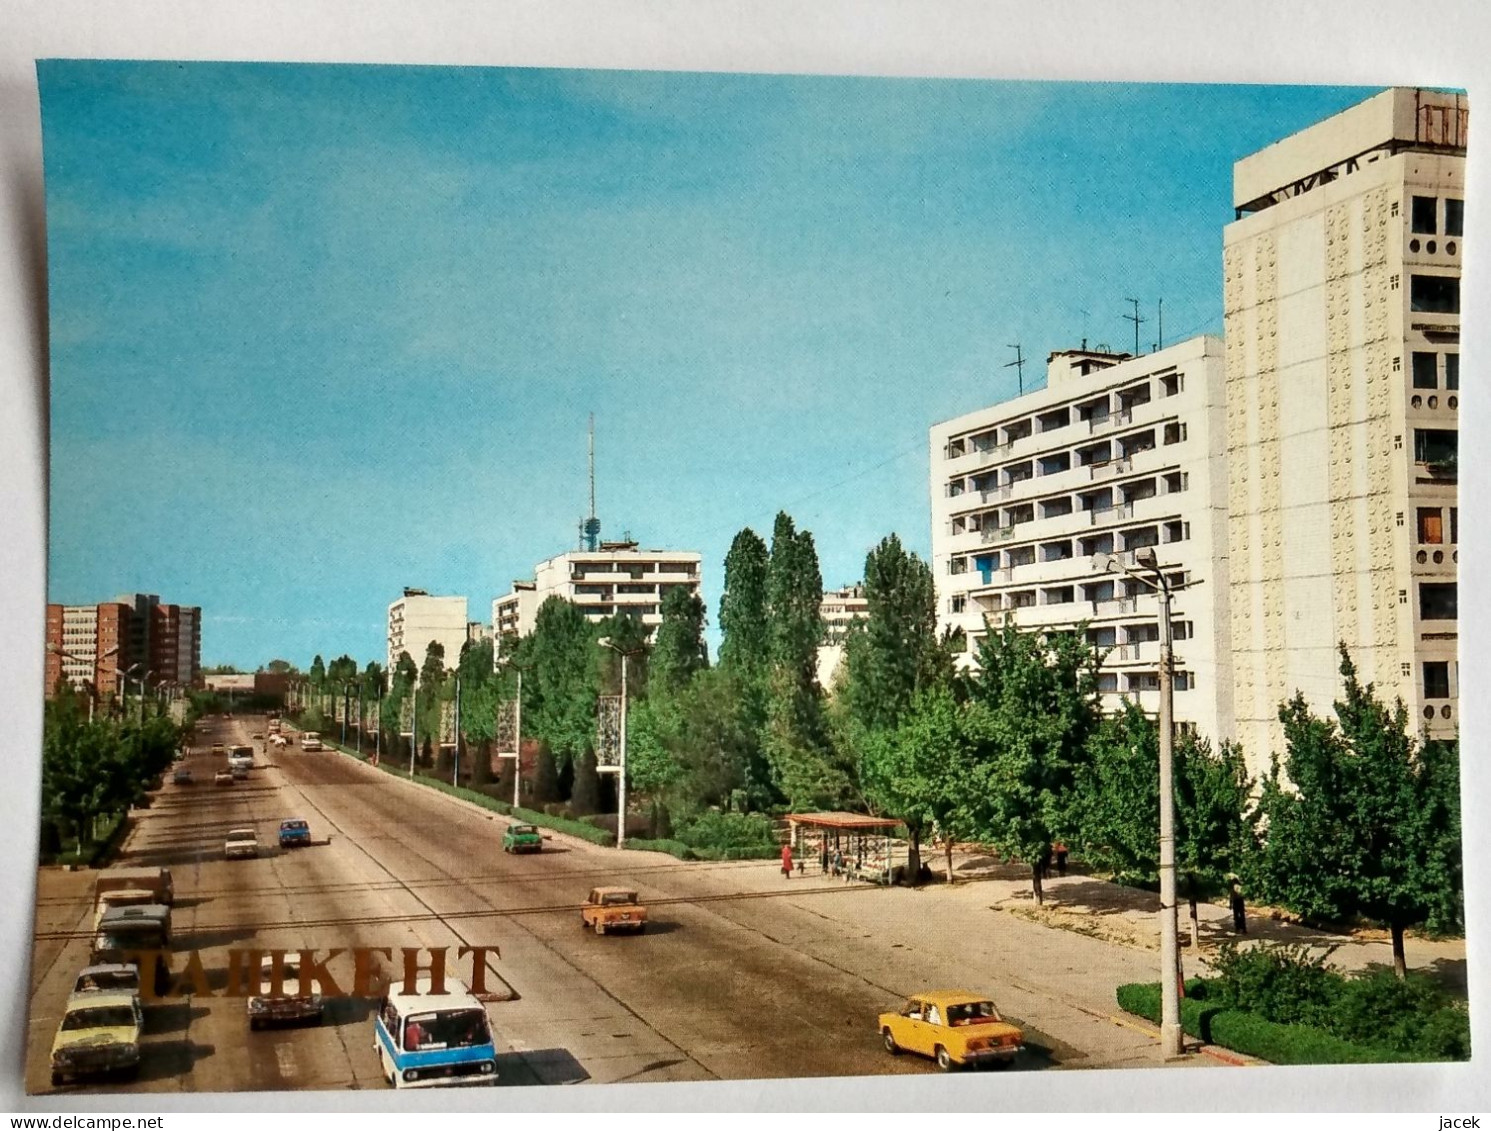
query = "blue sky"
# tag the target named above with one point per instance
(321, 332)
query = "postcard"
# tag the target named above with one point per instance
(574, 577)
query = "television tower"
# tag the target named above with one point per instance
(590, 528)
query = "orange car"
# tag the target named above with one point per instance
(613, 909)
(952, 1027)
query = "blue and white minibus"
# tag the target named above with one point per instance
(429, 1041)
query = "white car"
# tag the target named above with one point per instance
(310, 741)
(241, 843)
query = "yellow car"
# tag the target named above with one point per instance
(99, 1035)
(952, 1027)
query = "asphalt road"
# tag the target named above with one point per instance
(734, 978)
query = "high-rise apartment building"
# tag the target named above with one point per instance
(95, 643)
(839, 609)
(616, 577)
(1342, 320)
(417, 619)
(1115, 454)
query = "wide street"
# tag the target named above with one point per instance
(740, 974)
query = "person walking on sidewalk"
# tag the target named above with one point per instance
(1059, 851)
(787, 860)
(1239, 909)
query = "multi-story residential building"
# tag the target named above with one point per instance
(1031, 497)
(1342, 320)
(840, 608)
(617, 577)
(417, 619)
(94, 643)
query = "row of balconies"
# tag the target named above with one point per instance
(1115, 503)
(1092, 416)
(1058, 475)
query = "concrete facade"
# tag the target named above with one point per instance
(1115, 454)
(840, 608)
(1341, 299)
(618, 577)
(417, 619)
(93, 643)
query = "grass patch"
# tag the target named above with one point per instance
(1202, 1017)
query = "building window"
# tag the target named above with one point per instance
(1437, 601)
(1434, 294)
(1426, 371)
(1454, 217)
(1435, 445)
(958, 603)
(1437, 679)
(1424, 210)
(1455, 526)
(1452, 371)
(1431, 525)
(1175, 432)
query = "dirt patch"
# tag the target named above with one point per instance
(1109, 929)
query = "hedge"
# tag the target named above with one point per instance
(687, 852)
(1250, 1034)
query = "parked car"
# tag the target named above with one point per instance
(613, 909)
(522, 838)
(99, 1035)
(294, 833)
(181, 776)
(954, 1028)
(109, 977)
(241, 843)
(310, 740)
(266, 1006)
(223, 777)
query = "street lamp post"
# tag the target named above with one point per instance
(1171, 1035)
(455, 770)
(518, 739)
(361, 718)
(605, 642)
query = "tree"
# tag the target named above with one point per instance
(895, 653)
(482, 692)
(795, 743)
(1118, 807)
(678, 650)
(1040, 692)
(317, 673)
(281, 667)
(744, 629)
(920, 771)
(1366, 823)
(429, 699)
(562, 662)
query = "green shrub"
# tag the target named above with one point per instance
(713, 830)
(1412, 1016)
(1444, 1034)
(1285, 984)
(672, 847)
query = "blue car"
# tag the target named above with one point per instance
(294, 833)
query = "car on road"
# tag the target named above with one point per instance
(99, 1035)
(613, 909)
(310, 740)
(239, 771)
(108, 978)
(954, 1028)
(240, 844)
(522, 838)
(125, 932)
(274, 1004)
(256, 735)
(223, 777)
(114, 898)
(425, 1040)
(219, 748)
(294, 833)
(181, 776)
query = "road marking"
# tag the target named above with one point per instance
(286, 1058)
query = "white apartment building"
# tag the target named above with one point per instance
(416, 619)
(839, 609)
(1115, 454)
(618, 577)
(1342, 319)
(80, 644)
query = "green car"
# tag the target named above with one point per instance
(522, 838)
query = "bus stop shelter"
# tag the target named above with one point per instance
(853, 845)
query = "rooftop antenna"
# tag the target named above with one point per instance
(1019, 367)
(1161, 335)
(1135, 318)
(590, 528)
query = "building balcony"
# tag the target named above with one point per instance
(1117, 419)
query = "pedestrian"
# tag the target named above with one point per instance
(787, 860)
(1239, 909)
(1059, 850)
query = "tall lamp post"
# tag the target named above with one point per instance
(1171, 1035)
(94, 660)
(606, 642)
